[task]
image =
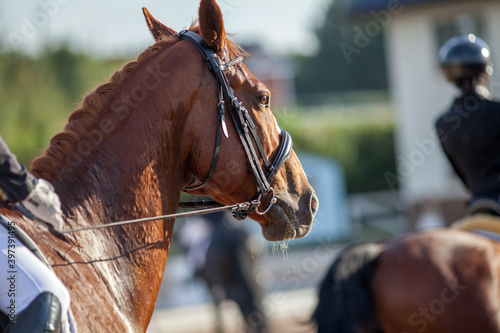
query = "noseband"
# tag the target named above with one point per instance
(244, 126)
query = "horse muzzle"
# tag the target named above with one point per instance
(290, 219)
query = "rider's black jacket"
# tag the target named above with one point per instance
(470, 136)
(15, 181)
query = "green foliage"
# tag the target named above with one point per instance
(362, 143)
(351, 55)
(39, 94)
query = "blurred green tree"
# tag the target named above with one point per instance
(38, 94)
(64, 65)
(351, 54)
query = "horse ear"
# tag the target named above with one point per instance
(212, 25)
(159, 30)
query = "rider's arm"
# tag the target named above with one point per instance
(36, 195)
(452, 159)
(15, 181)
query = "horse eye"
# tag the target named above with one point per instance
(264, 100)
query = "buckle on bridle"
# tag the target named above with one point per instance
(242, 210)
(272, 201)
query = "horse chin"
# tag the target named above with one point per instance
(283, 224)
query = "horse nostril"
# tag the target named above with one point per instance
(314, 203)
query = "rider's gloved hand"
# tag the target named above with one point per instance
(44, 204)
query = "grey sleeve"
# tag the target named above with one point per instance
(15, 181)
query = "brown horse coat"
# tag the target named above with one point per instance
(434, 282)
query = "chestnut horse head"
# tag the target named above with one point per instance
(129, 151)
(232, 180)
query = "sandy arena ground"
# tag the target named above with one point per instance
(286, 311)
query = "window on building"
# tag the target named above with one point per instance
(460, 24)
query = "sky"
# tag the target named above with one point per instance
(116, 28)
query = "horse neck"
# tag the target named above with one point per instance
(133, 171)
(131, 186)
(124, 179)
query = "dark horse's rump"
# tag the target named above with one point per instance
(436, 281)
(345, 301)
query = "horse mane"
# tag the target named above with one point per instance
(345, 302)
(87, 117)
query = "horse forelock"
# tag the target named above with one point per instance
(233, 50)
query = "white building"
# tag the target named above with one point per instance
(414, 31)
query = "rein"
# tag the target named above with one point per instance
(240, 207)
(248, 137)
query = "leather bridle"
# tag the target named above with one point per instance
(246, 131)
(244, 126)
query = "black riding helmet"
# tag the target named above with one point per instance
(465, 57)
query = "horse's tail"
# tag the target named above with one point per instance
(345, 301)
